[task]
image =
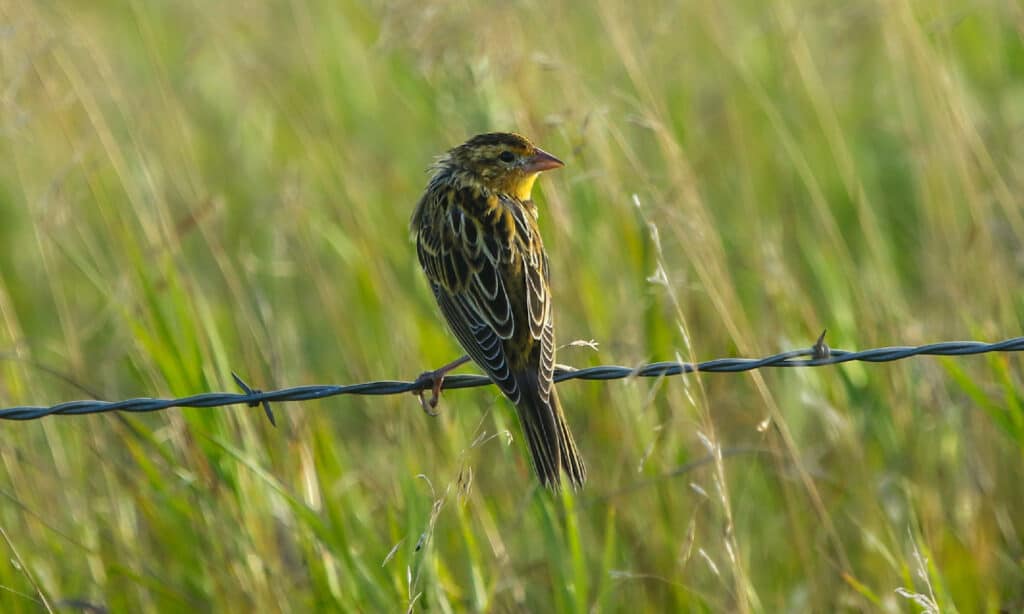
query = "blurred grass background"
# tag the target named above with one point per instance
(188, 188)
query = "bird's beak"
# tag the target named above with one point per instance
(542, 161)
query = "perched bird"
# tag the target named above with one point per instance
(479, 244)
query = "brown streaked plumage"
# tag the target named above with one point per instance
(479, 244)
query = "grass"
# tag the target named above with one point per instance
(193, 188)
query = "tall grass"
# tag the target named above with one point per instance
(190, 188)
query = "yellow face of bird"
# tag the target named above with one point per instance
(501, 161)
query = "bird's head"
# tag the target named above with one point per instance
(501, 161)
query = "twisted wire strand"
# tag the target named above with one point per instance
(818, 355)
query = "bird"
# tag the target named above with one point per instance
(479, 244)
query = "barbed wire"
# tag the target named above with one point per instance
(818, 355)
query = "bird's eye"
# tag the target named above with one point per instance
(507, 157)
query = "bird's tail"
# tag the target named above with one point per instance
(551, 444)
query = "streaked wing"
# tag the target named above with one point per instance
(463, 253)
(534, 265)
(546, 368)
(480, 341)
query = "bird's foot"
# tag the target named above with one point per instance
(434, 380)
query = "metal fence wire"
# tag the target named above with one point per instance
(818, 355)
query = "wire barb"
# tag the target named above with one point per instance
(266, 404)
(816, 356)
(820, 349)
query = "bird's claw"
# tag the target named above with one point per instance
(436, 380)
